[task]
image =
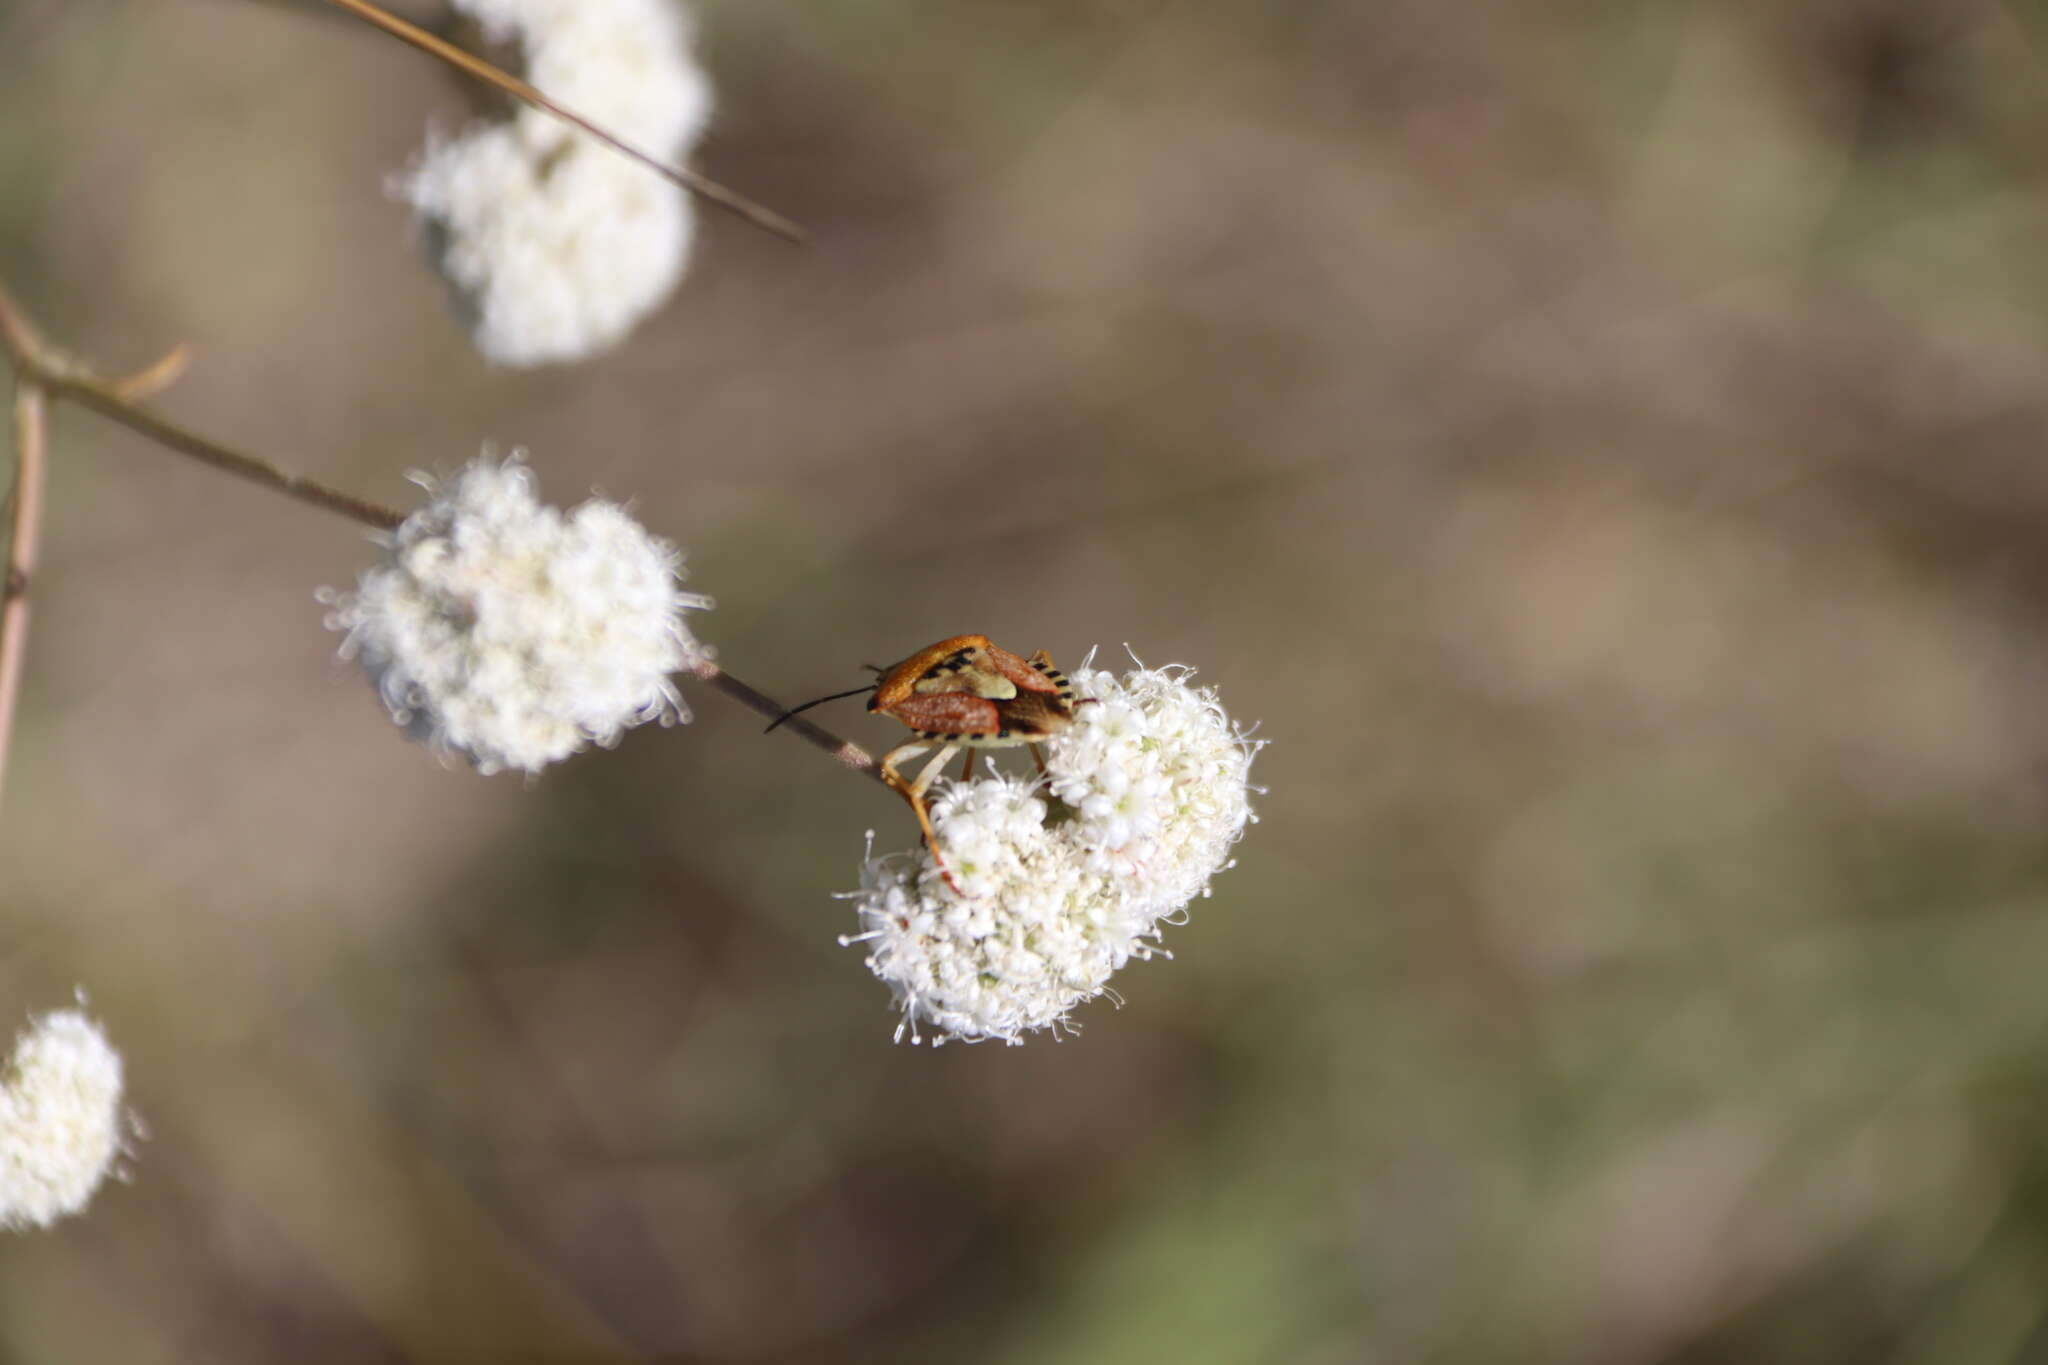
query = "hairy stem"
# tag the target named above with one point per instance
(731, 200)
(31, 464)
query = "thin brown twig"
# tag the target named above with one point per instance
(731, 200)
(63, 377)
(31, 464)
(101, 398)
(845, 750)
(152, 380)
(16, 334)
(44, 371)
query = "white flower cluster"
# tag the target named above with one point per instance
(61, 1125)
(514, 633)
(1157, 776)
(558, 245)
(1148, 791)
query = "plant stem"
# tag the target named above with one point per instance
(31, 465)
(101, 398)
(16, 334)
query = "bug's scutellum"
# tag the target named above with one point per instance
(968, 693)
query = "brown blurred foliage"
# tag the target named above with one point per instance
(1603, 443)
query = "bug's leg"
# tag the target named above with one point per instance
(913, 792)
(967, 768)
(895, 756)
(931, 770)
(931, 843)
(1038, 757)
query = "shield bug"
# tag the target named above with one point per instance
(966, 692)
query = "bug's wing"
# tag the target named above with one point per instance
(949, 715)
(935, 668)
(1025, 673)
(968, 670)
(1035, 715)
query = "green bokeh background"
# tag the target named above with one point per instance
(1602, 444)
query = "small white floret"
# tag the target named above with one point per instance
(1061, 882)
(515, 633)
(61, 1124)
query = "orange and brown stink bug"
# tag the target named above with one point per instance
(966, 692)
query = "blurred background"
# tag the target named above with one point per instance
(1600, 443)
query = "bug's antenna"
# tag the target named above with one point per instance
(819, 702)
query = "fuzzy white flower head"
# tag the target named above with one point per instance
(1149, 791)
(554, 260)
(1158, 776)
(515, 633)
(557, 245)
(61, 1125)
(1037, 933)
